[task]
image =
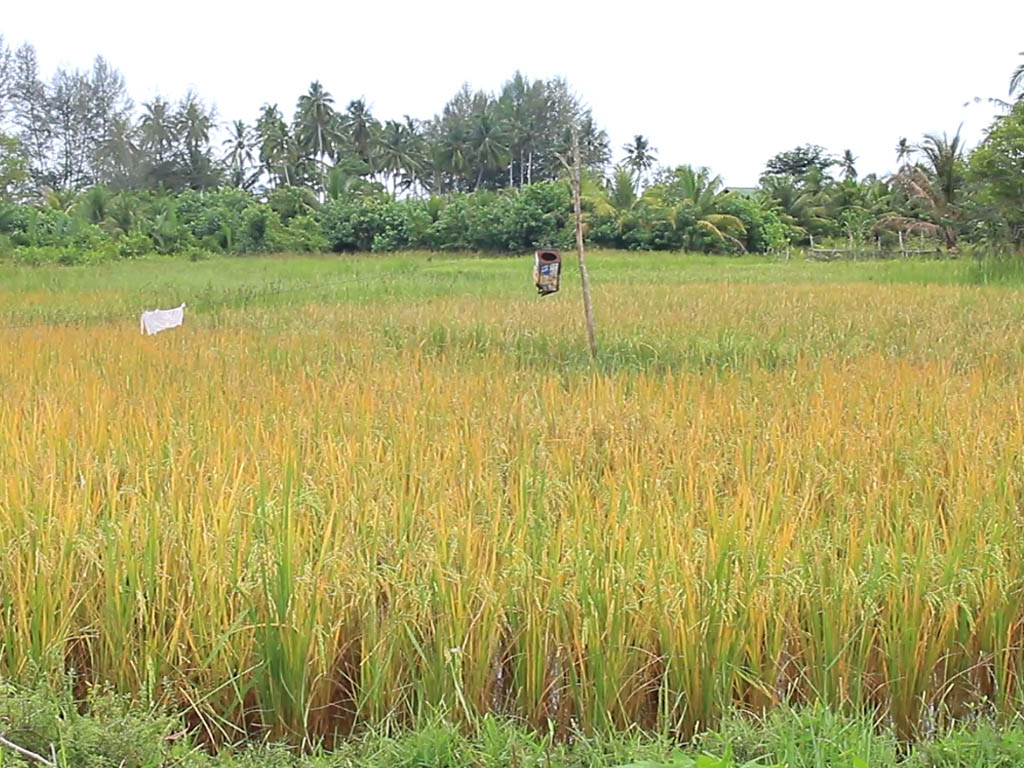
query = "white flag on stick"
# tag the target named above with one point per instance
(156, 320)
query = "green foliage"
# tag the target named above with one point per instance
(104, 730)
(374, 223)
(302, 234)
(537, 215)
(810, 738)
(13, 167)
(997, 267)
(765, 231)
(134, 245)
(76, 145)
(101, 731)
(985, 745)
(798, 162)
(290, 202)
(997, 172)
(685, 208)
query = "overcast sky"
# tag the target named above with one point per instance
(725, 84)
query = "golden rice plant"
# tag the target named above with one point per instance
(303, 520)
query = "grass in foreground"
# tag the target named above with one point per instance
(108, 731)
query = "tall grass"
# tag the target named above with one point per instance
(297, 519)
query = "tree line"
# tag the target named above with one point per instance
(86, 172)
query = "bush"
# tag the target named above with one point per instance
(648, 228)
(984, 745)
(114, 734)
(805, 738)
(17, 221)
(291, 202)
(765, 230)
(535, 216)
(133, 245)
(365, 223)
(302, 234)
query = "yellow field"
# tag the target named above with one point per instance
(306, 517)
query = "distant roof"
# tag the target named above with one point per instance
(745, 191)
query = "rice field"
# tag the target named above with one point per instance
(354, 492)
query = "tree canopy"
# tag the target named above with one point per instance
(83, 166)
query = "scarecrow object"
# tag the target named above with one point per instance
(547, 270)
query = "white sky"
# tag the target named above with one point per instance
(724, 84)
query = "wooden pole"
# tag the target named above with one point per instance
(588, 309)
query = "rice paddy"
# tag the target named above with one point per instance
(355, 492)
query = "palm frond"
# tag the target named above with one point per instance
(726, 222)
(907, 225)
(1017, 81)
(707, 226)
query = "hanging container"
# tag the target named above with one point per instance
(547, 269)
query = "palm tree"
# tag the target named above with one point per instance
(396, 153)
(933, 187)
(847, 164)
(621, 189)
(1017, 82)
(456, 149)
(435, 158)
(640, 156)
(488, 144)
(272, 139)
(695, 192)
(117, 155)
(94, 204)
(315, 124)
(361, 127)
(59, 199)
(156, 128)
(797, 205)
(240, 144)
(193, 124)
(942, 159)
(903, 150)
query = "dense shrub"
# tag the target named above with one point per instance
(100, 224)
(365, 223)
(765, 230)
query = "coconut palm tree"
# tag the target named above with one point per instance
(193, 124)
(273, 140)
(621, 189)
(798, 206)
(240, 144)
(640, 156)
(361, 128)
(156, 129)
(456, 150)
(1017, 82)
(695, 192)
(117, 155)
(94, 204)
(489, 147)
(396, 153)
(932, 186)
(903, 150)
(847, 164)
(435, 156)
(316, 124)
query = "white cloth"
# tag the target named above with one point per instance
(156, 320)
